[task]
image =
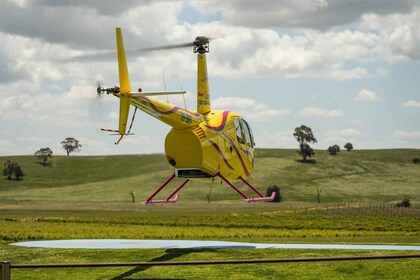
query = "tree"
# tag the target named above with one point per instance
(304, 135)
(71, 145)
(348, 147)
(416, 160)
(11, 168)
(43, 154)
(277, 197)
(333, 150)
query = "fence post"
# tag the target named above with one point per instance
(5, 270)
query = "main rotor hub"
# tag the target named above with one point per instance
(201, 45)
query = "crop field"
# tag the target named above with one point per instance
(92, 198)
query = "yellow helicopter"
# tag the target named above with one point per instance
(203, 144)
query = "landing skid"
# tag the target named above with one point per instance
(174, 196)
(246, 198)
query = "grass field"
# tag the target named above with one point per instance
(88, 197)
(257, 225)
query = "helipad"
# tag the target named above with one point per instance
(194, 244)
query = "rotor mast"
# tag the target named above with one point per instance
(201, 47)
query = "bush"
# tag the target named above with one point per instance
(11, 168)
(275, 189)
(333, 150)
(348, 146)
(404, 203)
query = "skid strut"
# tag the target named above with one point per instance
(246, 198)
(172, 198)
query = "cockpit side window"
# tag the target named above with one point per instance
(239, 131)
(248, 132)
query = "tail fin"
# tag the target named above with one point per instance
(203, 94)
(125, 88)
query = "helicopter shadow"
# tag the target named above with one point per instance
(308, 161)
(170, 254)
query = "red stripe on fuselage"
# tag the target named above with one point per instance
(221, 154)
(222, 125)
(173, 110)
(232, 143)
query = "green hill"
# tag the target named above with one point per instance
(373, 176)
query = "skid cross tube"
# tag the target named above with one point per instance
(246, 198)
(171, 198)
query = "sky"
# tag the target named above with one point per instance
(350, 70)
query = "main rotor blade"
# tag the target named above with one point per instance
(166, 47)
(105, 55)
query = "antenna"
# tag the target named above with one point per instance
(185, 103)
(164, 84)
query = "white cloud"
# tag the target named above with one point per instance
(412, 103)
(366, 96)
(318, 14)
(276, 139)
(406, 135)
(306, 54)
(249, 108)
(344, 132)
(341, 136)
(399, 34)
(44, 92)
(320, 112)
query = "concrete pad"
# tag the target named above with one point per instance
(194, 244)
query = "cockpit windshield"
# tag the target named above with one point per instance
(248, 132)
(243, 132)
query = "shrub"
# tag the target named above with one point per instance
(333, 150)
(348, 146)
(275, 189)
(11, 168)
(404, 203)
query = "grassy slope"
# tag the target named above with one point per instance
(357, 176)
(371, 176)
